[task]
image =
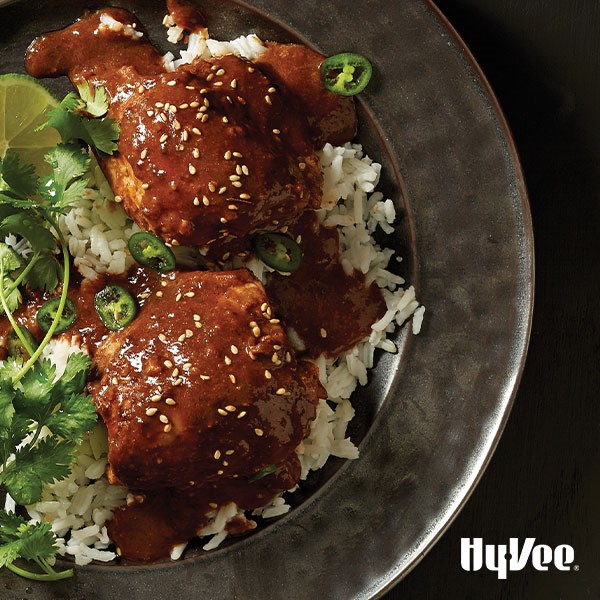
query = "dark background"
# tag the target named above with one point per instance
(542, 60)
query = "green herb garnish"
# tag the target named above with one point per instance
(43, 417)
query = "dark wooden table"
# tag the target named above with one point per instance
(542, 59)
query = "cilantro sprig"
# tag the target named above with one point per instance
(43, 417)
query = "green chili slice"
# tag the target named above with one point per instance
(346, 74)
(15, 346)
(150, 251)
(115, 307)
(278, 251)
(48, 311)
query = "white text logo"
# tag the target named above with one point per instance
(502, 558)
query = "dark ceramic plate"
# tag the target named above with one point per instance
(432, 415)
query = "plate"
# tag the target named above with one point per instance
(432, 415)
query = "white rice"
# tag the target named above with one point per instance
(97, 230)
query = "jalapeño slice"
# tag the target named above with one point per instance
(15, 346)
(48, 311)
(150, 251)
(346, 74)
(278, 251)
(115, 307)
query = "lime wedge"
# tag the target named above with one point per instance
(23, 106)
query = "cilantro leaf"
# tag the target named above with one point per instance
(19, 176)
(69, 163)
(27, 224)
(14, 299)
(49, 460)
(103, 134)
(7, 410)
(74, 376)
(94, 99)
(30, 541)
(75, 416)
(9, 259)
(45, 274)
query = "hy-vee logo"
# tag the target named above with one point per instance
(514, 557)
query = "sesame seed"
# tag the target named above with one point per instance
(184, 106)
(222, 412)
(238, 154)
(196, 131)
(233, 83)
(185, 135)
(245, 196)
(288, 357)
(210, 77)
(170, 402)
(229, 452)
(190, 87)
(145, 186)
(225, 463)
(264, 306)
(158, 104)
(237, 184)
(163, 138)
(280, 391)
(218, 83)
(268, 99)
(211, 186)
(276, 131)
(178, 381)
(164, 419)
(217, 455)
(259, 432)
(189, 294)
(232, 207)
(114, 381)
(228, 361)
(232, 377)
(271, 90)
(194, 104)
(150, 113)
(234, 178)
(274, 321)
(167, 428)
(176, 125)
(162, 337)
(256, 331)
(227, 155)
(181, 338)
(220, 72)
(222, 190)
(198, 325)
(144, 153)
(168, 364)
(196, 153)
(172, 108)
(230, 408)
(225, 119)
(156, 398)
(205, 201)
(187, 366)
(162, 117)
(234, 349)
(118, 199)
(189, 333)
(302, 166)
(245, 170)
(220, 472)
(196, 317)
(151, 411)
(223, 220)
(323, 332)
(192, 169)
(205, 377)
(242, 414)
(175, 372)
(171, 83)
(163, 283)
(251, 69)
(204, 118)
(268, 374)
(178, 297)
(196, 202)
